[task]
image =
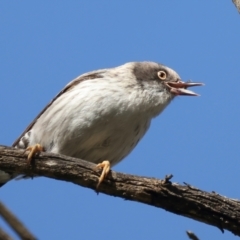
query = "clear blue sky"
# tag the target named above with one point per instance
(45, 44)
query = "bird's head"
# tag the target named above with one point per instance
(164, 77)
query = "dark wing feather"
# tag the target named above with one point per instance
(72, 84)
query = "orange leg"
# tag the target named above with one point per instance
(105, 165)
(33, 150)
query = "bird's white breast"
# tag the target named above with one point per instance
(98, 119)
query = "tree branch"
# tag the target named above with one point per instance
(237, 4)
(185, 200)
(192, 235)
(4, 235)
(16, 225)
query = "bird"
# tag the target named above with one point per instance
(100, 116)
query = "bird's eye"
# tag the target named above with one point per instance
(162, 75)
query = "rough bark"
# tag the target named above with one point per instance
(210, 208)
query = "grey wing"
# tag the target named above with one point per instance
(24, 136)
(27, 130)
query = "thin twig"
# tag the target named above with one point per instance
(237, 4)
(16, 225)
(4, 235)
(192, 235)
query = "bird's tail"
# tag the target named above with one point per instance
(5, 177)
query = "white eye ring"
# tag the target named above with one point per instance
(162, 75)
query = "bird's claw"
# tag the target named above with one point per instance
(105, 165)
(33, 151)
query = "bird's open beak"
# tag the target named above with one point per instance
(180, 88)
